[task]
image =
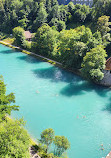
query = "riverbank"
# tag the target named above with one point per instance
(75, 71)
(24, 75)
(32, 150)
(55, 63)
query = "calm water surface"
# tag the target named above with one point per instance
(71, 106)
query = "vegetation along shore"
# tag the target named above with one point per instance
(74, 37)
(14, 139)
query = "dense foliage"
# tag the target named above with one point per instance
(18, 34)
(31, 14)
(14, 140)
(94, 63)
(48, 137)
(6, 101)
(69, 46)
(64, 33)
(44, 41)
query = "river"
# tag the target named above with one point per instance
(50, 97)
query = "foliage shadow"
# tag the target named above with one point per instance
(76, 85)
(56, 74)
(7, 51)
(29, 59)
(79, 88)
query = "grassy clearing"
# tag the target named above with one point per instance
(9, 40)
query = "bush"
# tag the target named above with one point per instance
(18, 34)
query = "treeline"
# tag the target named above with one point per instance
(31, 14)
(55, 31)
(14, 139)
(77, 48)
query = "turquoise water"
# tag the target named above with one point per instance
(71, 106)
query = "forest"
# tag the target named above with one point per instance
(70, 34)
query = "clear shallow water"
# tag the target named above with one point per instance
(62, 102)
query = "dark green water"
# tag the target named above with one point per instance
(71, 106)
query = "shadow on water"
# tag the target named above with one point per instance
(76, 85)
(79, 88)
(108, 106)
(56, 74)
(7, 51)
(29, 59)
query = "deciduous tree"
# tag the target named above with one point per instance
(103, 24)
(6, 101)
(18, 33)
(44, 41)
(61, 144)
(94, 63)
(47, 137)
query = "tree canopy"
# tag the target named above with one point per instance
(14, 140)
(44, 41)
(61, 144)
(19, 36)
(47, 137)
(6, 101)
(94, 63)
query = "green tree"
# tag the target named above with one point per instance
(6, 101)
(23, 22)
(18, 34)
(94, 63)
(71, 7)
(9, 14)
(44, 41)
(63, 12)
(61, 144)
(61, 25)
(41, 16)
(101, 8)
(103, 24)
(94, 40)
(81, 12)
(48, 6)
(73, 46)
(47, 137)
(53, 22)
(76, 55)
(14, 140)
(55, 12)
(54, 2)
